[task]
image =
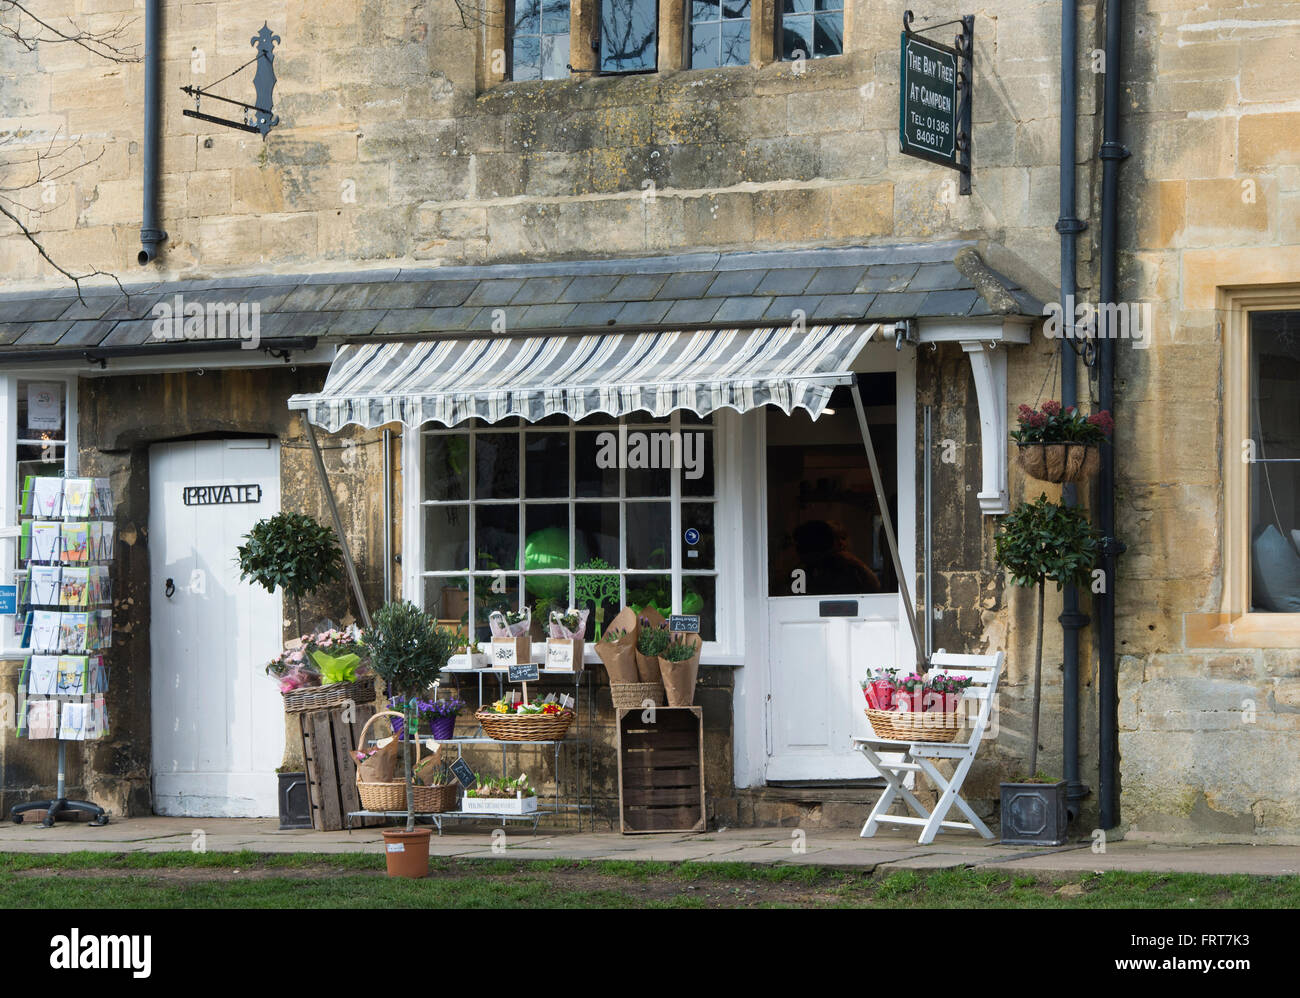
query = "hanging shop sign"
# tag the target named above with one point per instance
(221, 495)
(934, 100)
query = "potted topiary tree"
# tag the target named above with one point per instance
(290, 552)
(408, 649)
(1037, 542)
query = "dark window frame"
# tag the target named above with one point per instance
(598, 41)
(779, 28)
(509, 45)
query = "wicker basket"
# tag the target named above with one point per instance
(634, 695)
(524, 727)
(298, 701)
(915, 726)
(392, 796)
(1058, 462)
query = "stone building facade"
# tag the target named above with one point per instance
(405, 148)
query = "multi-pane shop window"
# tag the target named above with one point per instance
(629, 36)
(719, 33)
(1273, 456)
(559, 513)
(539, 39)
(810, 29)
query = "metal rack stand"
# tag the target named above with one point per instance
(478, 738)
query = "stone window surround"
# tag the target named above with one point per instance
(584, 18)
(1234, 625)
(8, 473)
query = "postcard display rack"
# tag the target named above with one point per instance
(65, 618)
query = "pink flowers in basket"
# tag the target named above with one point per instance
(914, 692)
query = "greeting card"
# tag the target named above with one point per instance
(72, 675)
(74, 587)
(42, 631)
(42, 585)
(72, 722)
(46, 496)
(44, 537)
(72, 632)
(78, 496)
(43, 675)
(75, 538)
(42, 718)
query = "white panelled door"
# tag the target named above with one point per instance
(816, 663)
(218, 722)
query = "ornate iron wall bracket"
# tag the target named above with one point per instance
(258, 117)
(962, 53)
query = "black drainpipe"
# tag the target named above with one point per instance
(150, 234)
(1072, 620)
(1111, 154)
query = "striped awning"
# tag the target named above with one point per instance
(450, 380)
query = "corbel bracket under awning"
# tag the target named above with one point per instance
(985, 342)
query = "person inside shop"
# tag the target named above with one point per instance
(831, 567)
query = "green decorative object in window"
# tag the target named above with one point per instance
(598, 589)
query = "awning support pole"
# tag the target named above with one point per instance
(883, 502)
(338, 522)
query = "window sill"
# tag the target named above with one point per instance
(1241, 630)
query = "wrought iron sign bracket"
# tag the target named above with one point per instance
(963, 52)
(259, 117)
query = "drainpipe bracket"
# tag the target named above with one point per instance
(1064, 225)
(1074, 619)
(1114, 150)
(1111, 546)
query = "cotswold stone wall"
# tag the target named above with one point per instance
(393, 147)
(1211, 200)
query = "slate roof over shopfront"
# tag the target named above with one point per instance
(697, 291)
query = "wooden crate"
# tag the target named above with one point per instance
(661, 770)
(328, 742)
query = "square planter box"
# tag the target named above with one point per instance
(498, 805)
(1034, 814)
(466, 662)
(295, 800)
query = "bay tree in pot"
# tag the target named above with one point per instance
(408, 649)
(293, 553)
(1040, 542)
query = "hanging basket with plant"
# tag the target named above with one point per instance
(1056, 444)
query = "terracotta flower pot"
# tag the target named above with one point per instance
(1059, 462)
(407, 853)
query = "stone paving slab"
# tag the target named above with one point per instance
(889, 849)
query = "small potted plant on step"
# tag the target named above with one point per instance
(408, 649)
(1038, 542)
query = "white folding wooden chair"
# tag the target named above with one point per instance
(896, 758)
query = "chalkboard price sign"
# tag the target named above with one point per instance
(463, 772)
(686, 622)
(525, 673)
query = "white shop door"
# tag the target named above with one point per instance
(833, 609)
(817, 662)
(218, 721)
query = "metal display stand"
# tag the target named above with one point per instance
(59, 807)
(557, 805)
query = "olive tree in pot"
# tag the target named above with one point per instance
(1038, 542)
(408, 649)
(290, 552)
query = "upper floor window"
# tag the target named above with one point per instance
(810, 29)
(719, 33)
(539, 39)
(629, 36)
(1274, 461)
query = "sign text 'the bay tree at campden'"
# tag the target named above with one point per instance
(934, 98)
